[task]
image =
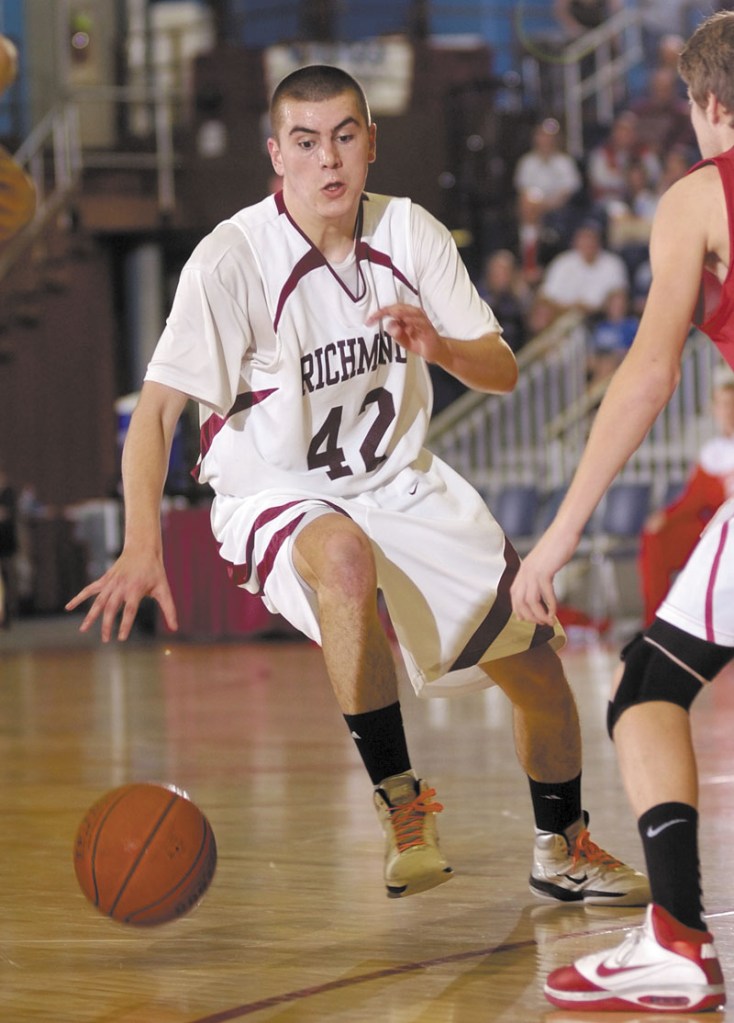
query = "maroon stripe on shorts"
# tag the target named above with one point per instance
(709, 612)
(240, 573)
(497, 618)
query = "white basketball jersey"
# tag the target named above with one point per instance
(295, 390)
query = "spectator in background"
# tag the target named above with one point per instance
(583, 278)
(631, 235)
(611, 337)
(663, 30)
(667, 54)
(608, 163)
(671, 534)
(663, 118)
(503, 288)
(676, 162)
(545, 179)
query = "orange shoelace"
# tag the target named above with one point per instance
(407, 819)
(587, 850)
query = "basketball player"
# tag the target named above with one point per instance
(303, 327)
(669, 964)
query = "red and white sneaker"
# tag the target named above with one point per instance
(662, 966)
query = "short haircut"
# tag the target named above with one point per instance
(313, 84)
(706, 62)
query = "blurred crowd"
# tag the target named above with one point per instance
(583, 225)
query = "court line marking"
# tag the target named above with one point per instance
(248, 1009)
(240, 1011)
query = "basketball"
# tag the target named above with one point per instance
(144, 854)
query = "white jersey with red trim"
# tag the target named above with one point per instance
(295, 390)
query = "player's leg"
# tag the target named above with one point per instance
(568, 866)
(663, 671)
(334, 558)
(670, 964)
(546, 722)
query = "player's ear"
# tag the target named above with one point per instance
(715, 110)
(372, 154)
(275, 157)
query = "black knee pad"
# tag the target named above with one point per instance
(667, 664)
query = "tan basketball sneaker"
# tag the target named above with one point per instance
(572, 868)
(413, 861)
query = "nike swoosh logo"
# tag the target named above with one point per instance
(577, 880)
(654, 832)
(613, 971)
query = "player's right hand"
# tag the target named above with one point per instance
(532, 593)
(119, 592)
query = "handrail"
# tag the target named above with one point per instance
(537, 433)
(549, 339)
(623, 28)
(55, 158)
(52, 156)
(162, 159)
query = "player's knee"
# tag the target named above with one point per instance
(348, 564)
(665, 664)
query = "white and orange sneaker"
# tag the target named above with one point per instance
(407, 809)
(662, 966)
(570, 867)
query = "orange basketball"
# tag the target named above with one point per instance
(144, 854)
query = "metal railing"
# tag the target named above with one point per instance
(56, 159)
(537, 433)
(51, 155)
(154, 112)
(498, 440)
(616, 48)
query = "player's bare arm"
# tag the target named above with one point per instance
(639, 389)
(139, 571)
(485, 364)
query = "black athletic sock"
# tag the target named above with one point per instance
(669, 833)
(380, 739)
(556, 805)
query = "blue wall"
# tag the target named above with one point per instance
(258, 23)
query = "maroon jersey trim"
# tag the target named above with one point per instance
(211, 427)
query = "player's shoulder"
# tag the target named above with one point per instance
(687, 207)
(260, 214)
(230, 240)
(402, 212)
(694, 187)
(376, 208)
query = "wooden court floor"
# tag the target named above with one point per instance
(296, 926)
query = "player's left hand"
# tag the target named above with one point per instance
(411, 328)
(532, 593)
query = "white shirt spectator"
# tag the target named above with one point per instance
(586, 275)
(553, 176)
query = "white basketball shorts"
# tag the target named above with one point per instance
(701, 600)
(444, 567)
